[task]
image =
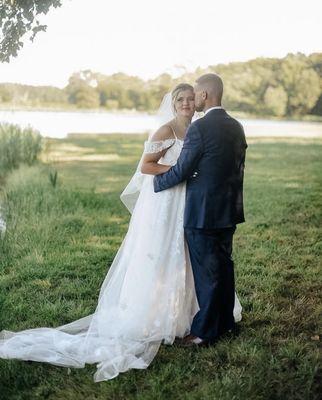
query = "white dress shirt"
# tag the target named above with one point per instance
(213, 108)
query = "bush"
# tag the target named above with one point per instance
(275, 100)
(18, 146)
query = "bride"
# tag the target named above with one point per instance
(148, 295)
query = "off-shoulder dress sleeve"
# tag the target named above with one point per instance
(157, 146)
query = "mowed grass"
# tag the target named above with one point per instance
(61, 241)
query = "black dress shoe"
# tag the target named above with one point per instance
(235, 331)
(185, 339)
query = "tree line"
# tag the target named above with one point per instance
(282, 87)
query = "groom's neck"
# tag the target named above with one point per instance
(212, 104)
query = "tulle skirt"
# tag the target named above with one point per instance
(148, 297)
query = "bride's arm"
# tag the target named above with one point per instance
(162, 138)
(150, 164)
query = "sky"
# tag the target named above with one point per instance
(149, 37)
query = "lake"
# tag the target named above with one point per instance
(59, 124)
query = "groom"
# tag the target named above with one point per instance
(212, 162)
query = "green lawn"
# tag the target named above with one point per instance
(60, 242)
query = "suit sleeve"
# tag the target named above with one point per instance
(190, 154)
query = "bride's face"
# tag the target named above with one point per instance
(185, 103)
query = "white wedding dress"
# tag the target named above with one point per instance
(148, 296)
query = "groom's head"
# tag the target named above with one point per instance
(208, 91)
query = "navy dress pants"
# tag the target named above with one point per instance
(213, 269)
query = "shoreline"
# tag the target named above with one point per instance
(236, 114)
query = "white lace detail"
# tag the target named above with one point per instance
(156, 147)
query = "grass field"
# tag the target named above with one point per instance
(61, 240)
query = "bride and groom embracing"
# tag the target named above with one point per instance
(173, 276)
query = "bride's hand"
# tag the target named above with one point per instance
(166, 168)
(163, 169)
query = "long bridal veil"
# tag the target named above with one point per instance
(131, 192)
(147, 297)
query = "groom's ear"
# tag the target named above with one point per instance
(204, 95)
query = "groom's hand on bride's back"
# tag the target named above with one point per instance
(191, 152)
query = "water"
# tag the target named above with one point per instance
(60, 124)
(2, 225)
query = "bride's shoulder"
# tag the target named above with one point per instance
(162, 139)
(165, 132)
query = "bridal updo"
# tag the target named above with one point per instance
(175, 93)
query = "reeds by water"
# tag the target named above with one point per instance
(18, 146)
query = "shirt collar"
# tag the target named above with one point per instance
(213, 108)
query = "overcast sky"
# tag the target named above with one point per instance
(148, 37)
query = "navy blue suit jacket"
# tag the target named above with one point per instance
(212, 162)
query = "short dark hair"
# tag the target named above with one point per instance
(213, 82)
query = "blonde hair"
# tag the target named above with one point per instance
(175, 93)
